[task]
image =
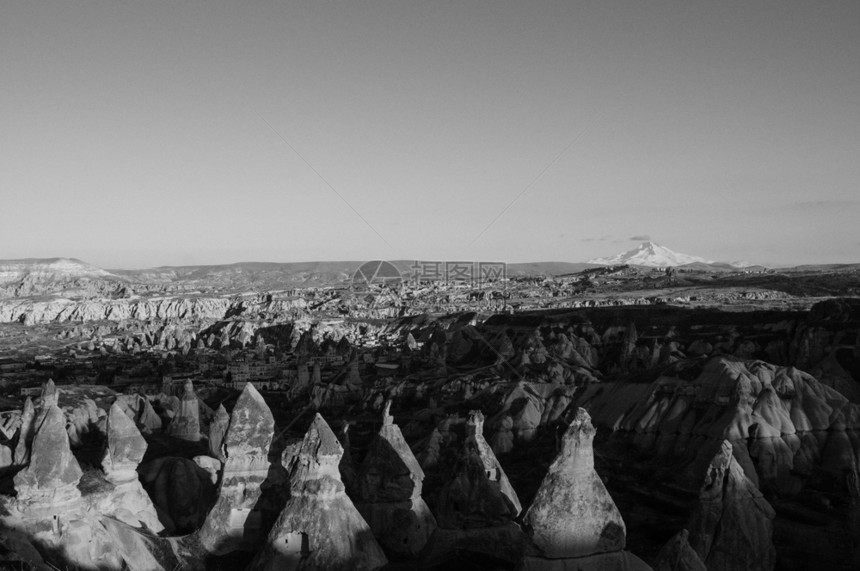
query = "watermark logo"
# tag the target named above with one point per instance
(376, 274)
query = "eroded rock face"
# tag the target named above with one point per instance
(186, 423)
(319, 528)
(786, 428)
(25, 435)
(732, 526)
(480, 494)
(52, 476)
(388, 491)
(573, 514)
(236, 520)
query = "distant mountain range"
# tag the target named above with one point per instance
(38, 275)
(32, 276)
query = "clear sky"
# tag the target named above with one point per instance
(135, 134)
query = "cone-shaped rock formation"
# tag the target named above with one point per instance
(732, 526)
(477, 506)
(319, 528)
(573, 522)
(480, 493)
(124, 449)
(388, 490)
(573, 514)
(236, 520)
(52, 476)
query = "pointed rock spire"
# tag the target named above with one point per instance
(390, 471)
(235, 520)
(53, 473)
(50, 395)
(319, 527)
(573, 514)
(125, 447)
(148, 419)
(127, 501)
(480, 494)
(732, 527)
(388, 491)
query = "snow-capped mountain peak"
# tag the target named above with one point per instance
(650, 254)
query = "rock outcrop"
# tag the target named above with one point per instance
(477, 507)
(732, 526)
(49, 511)
(786, 428)
(319, 528)
(388, 492)
(127, 501)
(124, 448)
(573, 522)
(573, 514)
(51, 478)
(480, 494)
(237, 521)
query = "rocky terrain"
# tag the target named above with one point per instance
(180, 418)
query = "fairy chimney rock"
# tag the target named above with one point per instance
(53, 473)
(125, 447)
(319, 528)
(573, 514)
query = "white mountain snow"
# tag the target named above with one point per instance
(650, 254)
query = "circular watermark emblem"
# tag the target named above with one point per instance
(376, 275)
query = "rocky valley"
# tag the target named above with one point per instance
(556, 417)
